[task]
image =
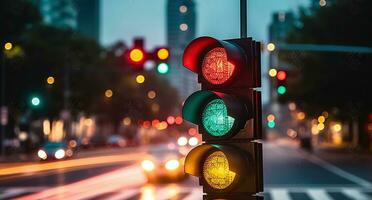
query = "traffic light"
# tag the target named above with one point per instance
(161, 56)
(281, 76)
(136, 56)
(228, 113)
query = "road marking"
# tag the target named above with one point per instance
(279, 194)
(170, 191)
(318, 194)
(338, 171)
(355, 194)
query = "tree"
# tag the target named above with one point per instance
(337, 82)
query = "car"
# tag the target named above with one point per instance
(116, 141)
(164, 164)
(54, 151)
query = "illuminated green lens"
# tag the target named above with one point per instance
(215, 119)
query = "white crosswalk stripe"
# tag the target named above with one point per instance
(280, 194)
(319, 194)
(191, 193)
(355, 194)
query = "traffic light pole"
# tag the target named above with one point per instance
(243, 18)
(2, 128)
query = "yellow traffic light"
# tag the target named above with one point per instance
(216, 171)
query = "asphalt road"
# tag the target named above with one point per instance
(289, 173)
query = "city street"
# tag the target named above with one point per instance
(289, 173)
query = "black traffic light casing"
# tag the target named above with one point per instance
(240, 75)
(242, 52)
(138, 45)
(245, 159)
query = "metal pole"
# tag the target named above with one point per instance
(243, 18)
(2, 133)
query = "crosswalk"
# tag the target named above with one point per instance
(176, 192)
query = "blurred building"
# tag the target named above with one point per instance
(80, 15)
(281, 25)
(181, 23)
(61, 13)
(88, 18)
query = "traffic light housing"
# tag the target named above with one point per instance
(281, 77)
(160, 56)
(136, 57)
(228, 113)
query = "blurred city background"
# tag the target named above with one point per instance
(92, 92)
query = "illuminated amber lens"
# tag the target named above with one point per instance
(163, 54)
(136, 55)
(216, 171)
(215, 68)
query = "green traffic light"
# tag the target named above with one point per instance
(162, 68)
(271, 124)
(215, 118)
(35, 101)
(281, 90)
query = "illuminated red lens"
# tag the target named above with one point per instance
(215, 68)
(281, 75)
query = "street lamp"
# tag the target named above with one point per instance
(8, 46)
(270, 46)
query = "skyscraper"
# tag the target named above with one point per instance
(88, 18)
(181, 23)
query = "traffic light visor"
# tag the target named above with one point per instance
(217, 60)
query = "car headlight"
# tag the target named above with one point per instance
(172, 164)
(193, 141)
(148, 165)
(59, 154)
(41, 153)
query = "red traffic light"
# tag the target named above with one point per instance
(221, 63)
(216, 69)
(136, 55)
(281, 75)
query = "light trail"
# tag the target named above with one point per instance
(98, 160)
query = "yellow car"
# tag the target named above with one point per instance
(164, 164)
